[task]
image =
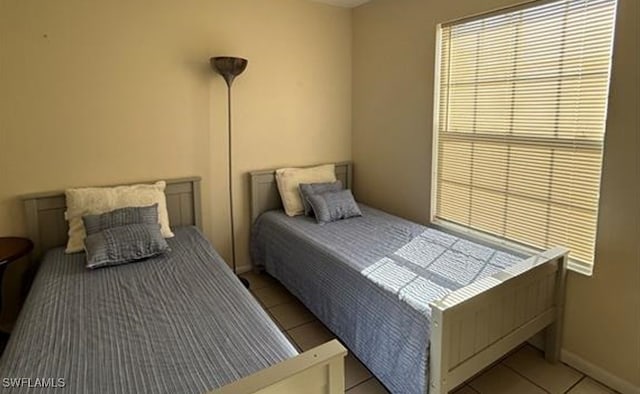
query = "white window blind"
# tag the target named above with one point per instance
(520, 124)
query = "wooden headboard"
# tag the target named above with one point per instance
(47, 227)
(264, 191)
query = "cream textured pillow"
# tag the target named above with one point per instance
(288, 180)
(98, 200)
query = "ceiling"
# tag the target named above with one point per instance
(344, 3)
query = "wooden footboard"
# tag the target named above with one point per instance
(316, 371)
(476, 325)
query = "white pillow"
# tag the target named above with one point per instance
(288, 180)
(97, 200)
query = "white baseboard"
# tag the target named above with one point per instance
(590, 369)
(598, 373)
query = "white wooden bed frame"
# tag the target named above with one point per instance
(476, 325)
(316, 371)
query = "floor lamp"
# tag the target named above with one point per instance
(230, 68)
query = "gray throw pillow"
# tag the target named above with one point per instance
(333, 206)
(309, 189)
(120, 217)
(124, 244)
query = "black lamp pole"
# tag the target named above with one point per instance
(230, 68)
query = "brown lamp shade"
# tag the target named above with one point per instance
(228, 67)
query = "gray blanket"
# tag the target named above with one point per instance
(179, 323)
(370, 280)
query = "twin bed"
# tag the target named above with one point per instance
(424, 310)
(180, 322)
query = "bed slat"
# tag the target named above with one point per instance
(316, 371)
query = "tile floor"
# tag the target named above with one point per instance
(523, 372)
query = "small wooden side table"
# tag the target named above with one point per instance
(11, 249)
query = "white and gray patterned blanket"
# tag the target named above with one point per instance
(178, 323)
(370, 280)
(433, 264)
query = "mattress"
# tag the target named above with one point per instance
(178, 323)
(370, 280)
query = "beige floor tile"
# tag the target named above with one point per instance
(273, 295)
(291, 315)
(371, 386)
(530, 362)
(590, 386)
(275, 320)
(258, 281)
(310, 335)
(502, 380)
(465, 390)
(355, 372)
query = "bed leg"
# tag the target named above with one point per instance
(552, 343)
(553, 333)
(439, 351)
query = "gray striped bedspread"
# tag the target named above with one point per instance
(370, 280)
(178, 323)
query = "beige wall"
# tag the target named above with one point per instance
(393, 68)
(102, 92)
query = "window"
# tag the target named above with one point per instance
(520, 123)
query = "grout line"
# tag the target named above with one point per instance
(582, 374)
(309, 322)
(301, 324)
(525, 378)
(602, 384)
(291, 302)
(290, 297)
(470, 388)
(576, 383)
(274, 305)
(363, 382)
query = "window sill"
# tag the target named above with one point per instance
(580, 268)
